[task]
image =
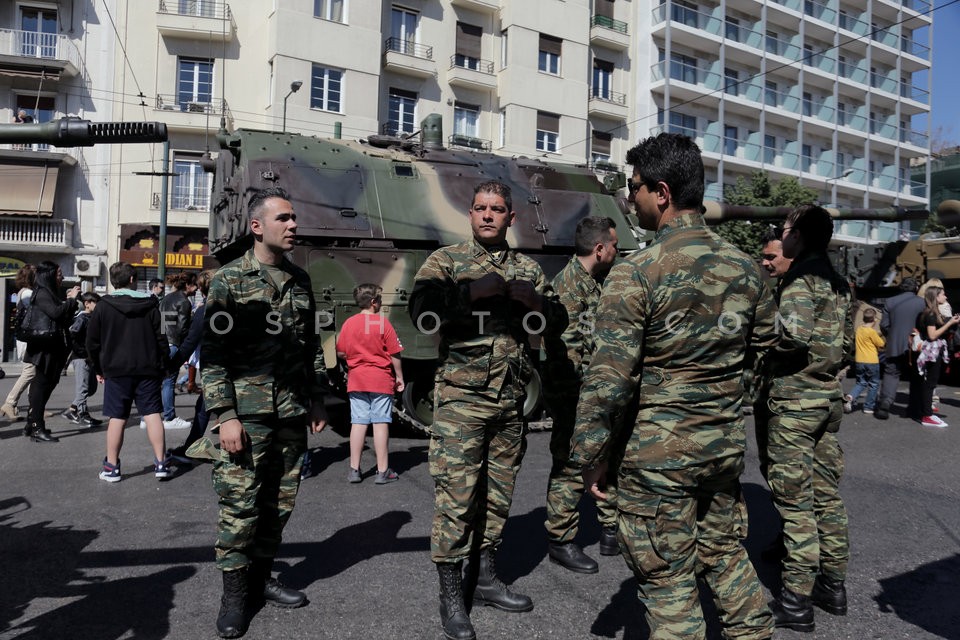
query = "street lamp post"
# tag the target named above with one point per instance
(294, 87)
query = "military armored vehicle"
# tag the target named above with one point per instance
(372, 210)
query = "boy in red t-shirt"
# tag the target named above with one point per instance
(371, 349)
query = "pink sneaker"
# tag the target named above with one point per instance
(932, 421)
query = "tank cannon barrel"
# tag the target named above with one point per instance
(717, 212)
(74, 132)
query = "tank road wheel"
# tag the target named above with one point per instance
(417, 401)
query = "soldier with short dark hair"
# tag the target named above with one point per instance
(263, 377)
(481, 296)
(676, 325)
(578, 289)
(806, 406)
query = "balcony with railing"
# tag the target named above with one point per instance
(471, 73)
(854, 25)
(32, 53)
(793, 5)
(609, 33)
(206, 19)
(607, 104)
(188, 114)
(43, 234)
(820, 11)
(408, 57)
(459, 140)
(485, 6)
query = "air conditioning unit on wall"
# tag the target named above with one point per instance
(89, 266)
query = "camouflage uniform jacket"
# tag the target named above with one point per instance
(579, 293)
(260, 346)
(817, 336)
(483, 340)
(675, 326)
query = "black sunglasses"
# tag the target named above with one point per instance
(633, 187)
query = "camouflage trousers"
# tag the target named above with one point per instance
(565, 485)
(806, 463)
(258, 488)
(476, 447)
(678, 524)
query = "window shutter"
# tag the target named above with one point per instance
(548, 122)
(603, 8)
(468, 40)
(550, 44)
(601, 142)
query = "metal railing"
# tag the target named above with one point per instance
(609, 23)
(36, 232)
(408, 47)
(461, 61)
(605, 95)
(172, 102)
(46, 46)
(198, 8)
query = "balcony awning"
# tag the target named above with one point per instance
(186, 246)
(27, 190)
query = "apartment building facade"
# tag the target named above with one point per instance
(835, 93)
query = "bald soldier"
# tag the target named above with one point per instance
(676, 324)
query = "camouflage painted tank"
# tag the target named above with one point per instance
(373, 210)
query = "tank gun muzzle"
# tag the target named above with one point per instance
(717, 212)
(74, 132)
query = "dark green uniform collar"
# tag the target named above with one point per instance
(683, 221)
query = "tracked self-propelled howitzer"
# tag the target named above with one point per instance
(372, 210)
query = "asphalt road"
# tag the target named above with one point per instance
(81, 558)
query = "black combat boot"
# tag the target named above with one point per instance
(793, 611)
(492, 592)
(609, 545)
(570, 556)
(232, 620)
(38, 432)
(453, 612)
(830, 595)
(882, 412)
(272, 591)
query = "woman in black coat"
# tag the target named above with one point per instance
(48, 355)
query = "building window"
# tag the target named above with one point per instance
(401, 110)
(773, 42)
(806, 157)
(683, 68)
(203, 8)
(504, 41)
(38, 32)
(841, 113)
(841, 163)
(732, 31)
(191, 185)
(468, 46)
(548, 132)
(329, 10)
(326, 89)
(403, 29)
(684, 12)
(683, 124)
(732, 84)
(769, 149)
(770, 94)
(194, 84)
(503, 128)
(807, 103)
(729, 141)
(600, 147)
(549, 61)
(602, 79)
(466, 119)
(842, 65)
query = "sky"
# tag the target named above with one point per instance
(945, 107)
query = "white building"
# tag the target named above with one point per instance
(836, 94)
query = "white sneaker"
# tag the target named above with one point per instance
(143, 424)
(177, 423)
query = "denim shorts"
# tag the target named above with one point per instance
(370, 408)
(119, 394)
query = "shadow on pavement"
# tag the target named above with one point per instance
(918, 597)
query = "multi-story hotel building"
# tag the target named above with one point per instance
(835, 94)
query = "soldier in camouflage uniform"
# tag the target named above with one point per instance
(578, 287)
(806, 405)
(676, 324)
(484, 299)
(260, 376)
